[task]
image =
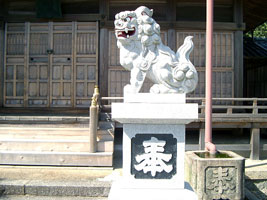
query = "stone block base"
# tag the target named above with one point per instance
(118, 192)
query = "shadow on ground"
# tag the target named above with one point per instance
(257, 187)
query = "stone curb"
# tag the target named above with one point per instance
(50, 188)
(256, 175)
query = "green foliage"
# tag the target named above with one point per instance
(259, 32)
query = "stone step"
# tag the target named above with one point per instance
(30, 197)
(47, 188)
(11, 119)
(56, 158)
(53, 145)
(64, 142)
(36, 132)
(43, 125)
(48, 133)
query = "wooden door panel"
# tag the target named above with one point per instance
(50, 64)
(38, 43)
(15, 62)
(38, 68)
(85, 62)
(62, 43)
(61, 65)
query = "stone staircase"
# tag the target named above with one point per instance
(54, 140)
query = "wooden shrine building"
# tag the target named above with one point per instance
(54, 52)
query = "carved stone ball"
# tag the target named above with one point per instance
(180, 75)
(190, 74)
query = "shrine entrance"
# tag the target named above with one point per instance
(50, 64)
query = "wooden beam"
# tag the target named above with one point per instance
(104, 9)
(103, 61)
(238, 12)
(3, 9)
(2, 35)
(180, 25)
(238, 49)
(171, 7)
(255, 144)
(65, 18)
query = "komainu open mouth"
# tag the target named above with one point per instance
(126, 33)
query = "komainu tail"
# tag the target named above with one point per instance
(184, 51)
(185, 71)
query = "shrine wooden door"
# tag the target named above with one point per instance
(50, 64)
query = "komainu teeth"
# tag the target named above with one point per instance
(128, 36)
(126, 30)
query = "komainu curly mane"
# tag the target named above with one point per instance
(143, 53)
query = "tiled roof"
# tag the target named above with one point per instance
(256, 47)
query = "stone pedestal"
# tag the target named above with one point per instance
(153, 146)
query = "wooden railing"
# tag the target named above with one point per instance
(230, 107)
(223, 107)
(228, 113)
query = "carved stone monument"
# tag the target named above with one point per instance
(153, 123)
(143, 53)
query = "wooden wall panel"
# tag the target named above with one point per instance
(223, 65)
(2, 34)
(256, 79)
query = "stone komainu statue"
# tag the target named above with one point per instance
(142, 52)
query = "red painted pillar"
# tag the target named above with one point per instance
(208, 109)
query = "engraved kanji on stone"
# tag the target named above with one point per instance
(221, 180)
(154, 158)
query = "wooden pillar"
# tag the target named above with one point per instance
(238, 49)
(103, 48)
(171, 17)
(201, 142)
(172, 39)
(104, 9)
(255, 144)
(1, 62)
(103, 62)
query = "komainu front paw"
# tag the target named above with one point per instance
(155, 89)
(129, 89)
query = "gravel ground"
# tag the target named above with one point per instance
(258, 188)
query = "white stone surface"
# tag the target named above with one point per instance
(143, 53)
(118, 193)
(154, 113)
(154, 98)
(129, 131)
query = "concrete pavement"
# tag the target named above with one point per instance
(43, 182)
